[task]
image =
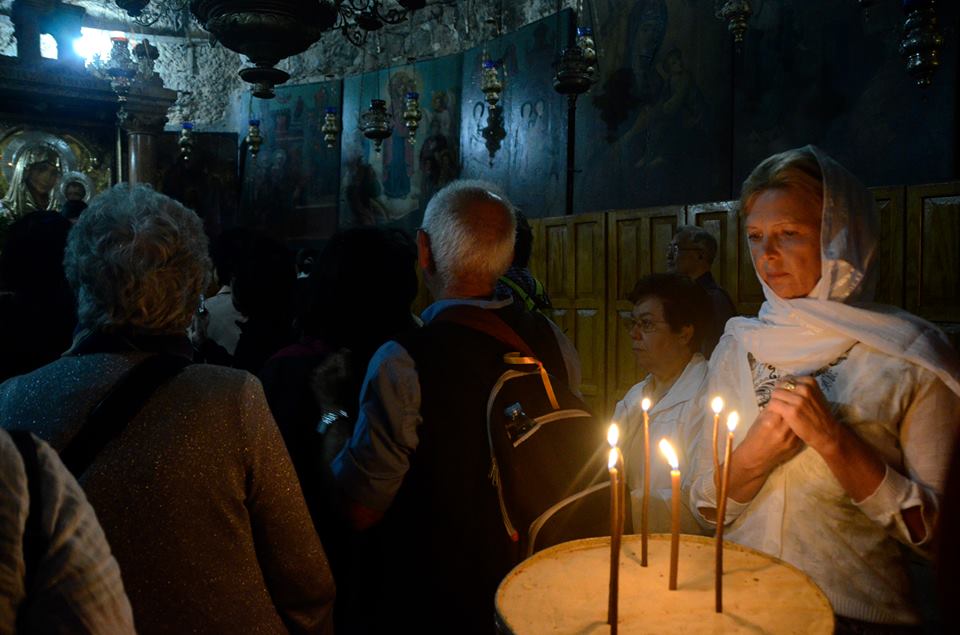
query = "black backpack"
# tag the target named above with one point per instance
(548, 453)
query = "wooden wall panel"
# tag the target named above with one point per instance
(891, 206)
(573, 261)
(637, 241)
(933, 251)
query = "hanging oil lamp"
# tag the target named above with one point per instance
(375, 124)
(121, 69)
(922, 41)
(254, 138)
(573, 74)
(412, 116)
(490, 83)
(330, 127)
(735, 13)
(589, 49)
(186, 141)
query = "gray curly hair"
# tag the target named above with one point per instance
(137, 261)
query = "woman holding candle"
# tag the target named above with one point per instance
(850, 408)
(669, 318)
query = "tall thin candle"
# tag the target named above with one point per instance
(732, 420)
(717, 406)
(614, 465)
(645, 506)
(671, 457)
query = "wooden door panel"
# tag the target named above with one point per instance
(589, 329)
(590, 263)
(556, 253)
(933, 251)
(574, 262)
(891, 203)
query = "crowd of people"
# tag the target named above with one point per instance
(197, 439)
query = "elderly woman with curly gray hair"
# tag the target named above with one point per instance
(191, 481)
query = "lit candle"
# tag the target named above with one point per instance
(671, 457)
(616, 529)
(717, 406)
(613, 438)
(732, 420)
(645, 506)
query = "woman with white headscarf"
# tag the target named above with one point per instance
(851, 407)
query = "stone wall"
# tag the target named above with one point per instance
(215, 99)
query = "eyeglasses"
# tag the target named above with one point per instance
(646, 325)
(673, 249)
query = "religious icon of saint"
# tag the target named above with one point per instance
(35, 177)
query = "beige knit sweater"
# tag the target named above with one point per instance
(197, 497)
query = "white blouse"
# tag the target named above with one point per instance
(802, 514)
(673, 417)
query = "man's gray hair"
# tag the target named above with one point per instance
(700, 237)
(138, 262)
(471, 225)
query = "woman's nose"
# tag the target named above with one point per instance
(769, 246)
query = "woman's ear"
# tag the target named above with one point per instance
(686, 334)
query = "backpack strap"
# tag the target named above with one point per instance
(110, 417)
(34, 542)
(488, 322)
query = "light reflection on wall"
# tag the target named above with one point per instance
(48, 47)
(94, 42)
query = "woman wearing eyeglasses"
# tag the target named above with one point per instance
(670, 316)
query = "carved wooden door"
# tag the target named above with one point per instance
(570, 258)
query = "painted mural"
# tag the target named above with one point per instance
(521, 143)
(655, 128)
(290, 187)
(824, 73)
(392, 186)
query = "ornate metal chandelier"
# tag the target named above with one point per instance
(267, 31)
(149, 12)
(357, 18)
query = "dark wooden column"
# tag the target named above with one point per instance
(143, 117)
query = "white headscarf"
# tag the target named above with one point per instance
(802, 335)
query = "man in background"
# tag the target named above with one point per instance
(691, 253)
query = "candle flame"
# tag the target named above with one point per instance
(717, 405)
(612, 459)
(645, 404)
(732, 420)
(669, 454)
(613, 435)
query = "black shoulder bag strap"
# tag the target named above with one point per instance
(109, 417)
(491, 324)
(34, 542)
